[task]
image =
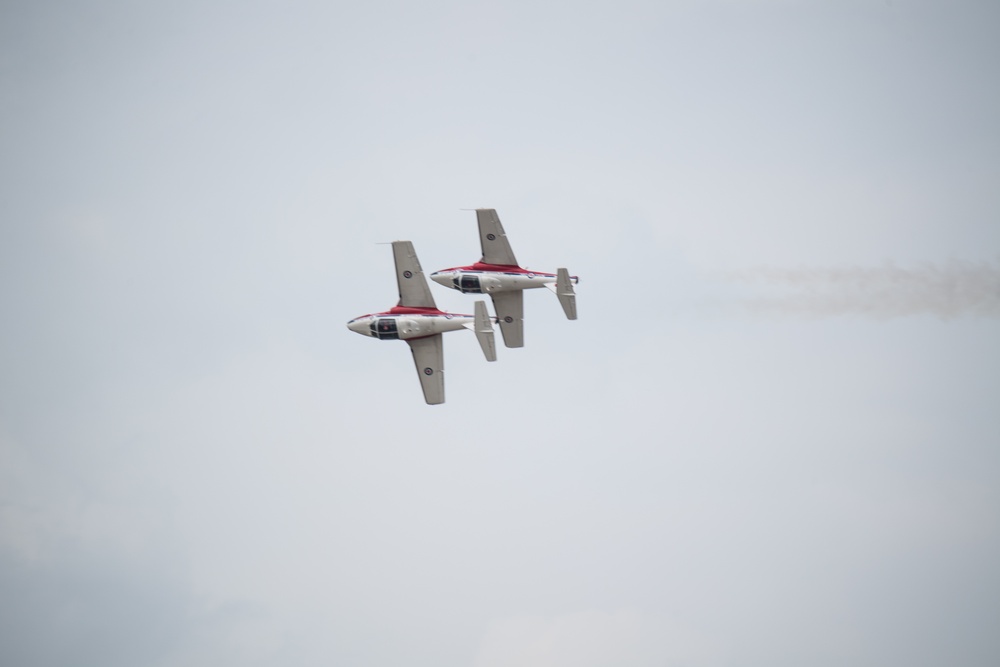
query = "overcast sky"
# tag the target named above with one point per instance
(772, 437)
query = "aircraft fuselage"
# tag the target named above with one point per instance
(403, 323)
(482, 278)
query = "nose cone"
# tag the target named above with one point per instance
(360, 325)
(442, 278)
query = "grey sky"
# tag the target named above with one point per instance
(200, 465)
(952, 289)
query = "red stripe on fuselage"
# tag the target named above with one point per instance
(407, 310)
(411, 310)
(497, 268)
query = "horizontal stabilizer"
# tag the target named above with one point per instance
(484, 332)
(564, 290)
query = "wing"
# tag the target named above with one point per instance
(496, 248)
(510, 310)
(413, 289)
(428, 355)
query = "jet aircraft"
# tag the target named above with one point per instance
(417, 320)
(499, 275)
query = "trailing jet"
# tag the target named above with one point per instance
(499, 275)
(417, 320)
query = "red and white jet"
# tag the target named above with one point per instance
(417, 320)
(499, 275)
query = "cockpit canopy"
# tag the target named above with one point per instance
(384, 328)
(467, 284)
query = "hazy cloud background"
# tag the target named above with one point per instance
(954, 289)
(200, 465)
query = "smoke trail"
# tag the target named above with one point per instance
(950, 290)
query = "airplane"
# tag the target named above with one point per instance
(499, 275)
(417, 320)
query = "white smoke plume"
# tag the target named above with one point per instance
(950, 290)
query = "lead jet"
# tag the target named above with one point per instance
(499, 275)
(417, 320)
